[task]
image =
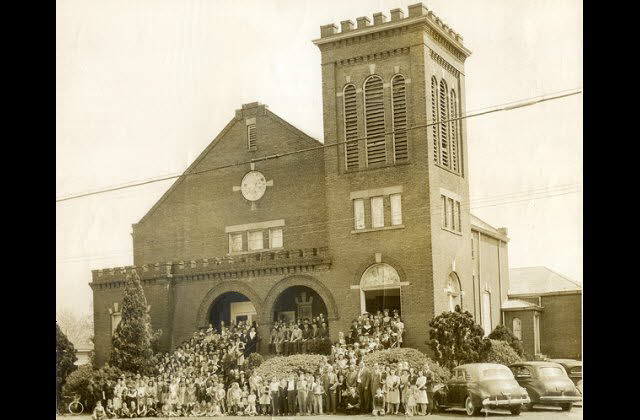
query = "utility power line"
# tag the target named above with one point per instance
(498, 108)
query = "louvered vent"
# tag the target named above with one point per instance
(350, 127)
(434, 118)
(374, 121)
(444, 125)
(399, 103)
(252, 137)
(453, 112)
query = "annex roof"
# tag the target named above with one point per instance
(539, 281)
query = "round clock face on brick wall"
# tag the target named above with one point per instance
(253, 186)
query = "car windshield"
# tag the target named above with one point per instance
(497, 373)
(551, 371)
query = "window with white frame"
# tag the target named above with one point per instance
(451, 219)
(396, 209)
(275, 238)
(255, 240)
(358, 213)
(235, 242)
(517, 328)
(377, 212)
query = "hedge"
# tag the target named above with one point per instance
(415, 358)
(79, 380)
(501, 352)
(280, 366)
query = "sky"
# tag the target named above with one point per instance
(144, 86)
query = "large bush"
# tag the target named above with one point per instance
(254, 361)
(456, 339)
(133, 340)
(503, 333)
(280, 366)
(88, 383)
(501, 352)
(415, 358)
(65, 360)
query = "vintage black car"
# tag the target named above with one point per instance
(481, 385)
(574, 370)
(546, 383)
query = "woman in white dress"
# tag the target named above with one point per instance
(393, 392)
(421, 399)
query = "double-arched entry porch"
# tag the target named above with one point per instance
(289, 299)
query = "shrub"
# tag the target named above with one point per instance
(503, 333)
(415, 358)
(65, 360)
(456, 339)
(284, 365)
(254, 361)
(501, 352)
(88, 382)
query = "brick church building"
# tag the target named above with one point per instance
(269, 223)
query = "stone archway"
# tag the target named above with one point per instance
(299, 280)
(226, 287)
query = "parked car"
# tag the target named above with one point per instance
(481, 385)
(546, 383)
(574, 370)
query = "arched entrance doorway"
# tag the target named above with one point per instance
(231, 306)
(380, 289)
(298, 303)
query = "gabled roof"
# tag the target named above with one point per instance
(539, 281)
(484, 227)
(216, 140)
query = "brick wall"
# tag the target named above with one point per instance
(561, 326)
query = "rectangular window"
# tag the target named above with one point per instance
(444, 212)
(450, 213)
(275, 237)
(358, 213)
(235, 242)
(377, 212)
(255, 241)
(455, 222)
(486, 313)
(252, 138)
(396, 209)
(458, 217)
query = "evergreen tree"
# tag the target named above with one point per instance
(132, 341)
(65, 360)
(455, 339)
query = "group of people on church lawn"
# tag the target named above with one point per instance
(389, 389)
(205, 376)
(299, 337)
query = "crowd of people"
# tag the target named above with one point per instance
(301, 336)
(206, 376)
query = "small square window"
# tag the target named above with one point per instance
(275, 237)
(255, 240)
(235, 242)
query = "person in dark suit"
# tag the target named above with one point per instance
(376, 379)
(364, 387)
(252, 342)
(352, 402)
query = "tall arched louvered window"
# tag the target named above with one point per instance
(434, 118)
(444, 125)
(350, 127)
(399, 112)
(374, 120)
(454, 124)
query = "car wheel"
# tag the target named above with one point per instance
(471, 409)
(528, 407)
(566, 407)
(437, 408)
(516, 410)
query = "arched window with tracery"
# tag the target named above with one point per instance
(350, 127)
(399, 113)
(380, 288)
(374, 121)
(454, 292)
